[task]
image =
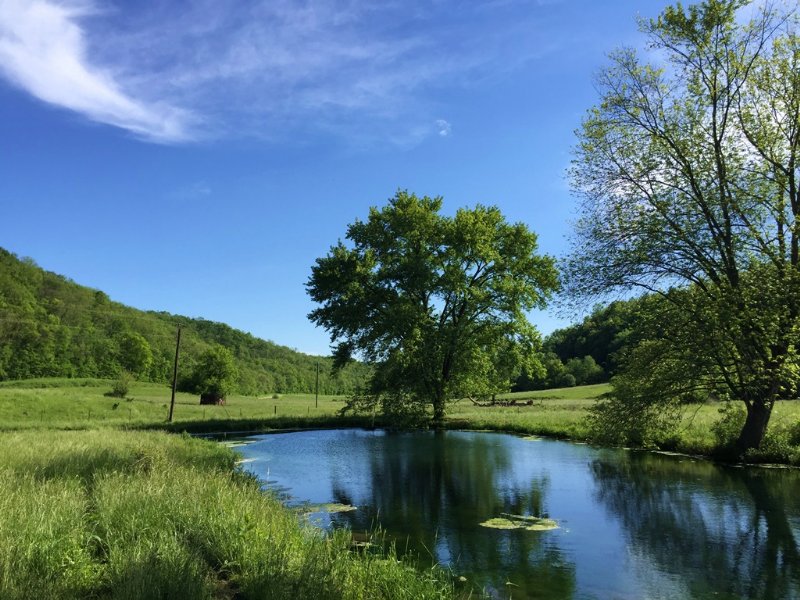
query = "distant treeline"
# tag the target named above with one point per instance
(53, 327)
(591, 351)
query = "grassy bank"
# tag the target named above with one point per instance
(81, 404)
(562, 413)
(113, 511)
(116, 514)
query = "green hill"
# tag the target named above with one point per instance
(52, 327)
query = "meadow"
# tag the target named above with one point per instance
(82, 404)
(561, 413)
(119, 514)
(95, 503)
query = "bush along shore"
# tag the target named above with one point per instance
(137, 514)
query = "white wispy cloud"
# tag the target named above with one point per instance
(43, 51)
(443, 127)
(267, 68)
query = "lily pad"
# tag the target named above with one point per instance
(332, 507)
(528, 523)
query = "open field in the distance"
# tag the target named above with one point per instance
(82, 404)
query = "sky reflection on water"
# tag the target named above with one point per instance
(632, 524)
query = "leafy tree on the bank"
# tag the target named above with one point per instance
(429, 300)
(690, 176)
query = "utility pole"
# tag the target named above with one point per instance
(316, 394)
(175, 375)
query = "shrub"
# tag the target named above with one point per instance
(121, 385)
(566, 380)
(726, 429)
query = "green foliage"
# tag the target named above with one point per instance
(566, 380)
(689, 179)
(726, 429)
(135, 355)
(52, 327)
(214, 372)
(121, 385)
(601, 335)
(150, 515)
(435, 304)
(585, 370)
(553, 373)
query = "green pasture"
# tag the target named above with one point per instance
(123, 514)
(82, 404)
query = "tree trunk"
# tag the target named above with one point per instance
(755, 427)
(438, 413)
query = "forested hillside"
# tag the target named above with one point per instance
(592, 350)
(53, 327)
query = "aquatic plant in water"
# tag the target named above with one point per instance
(508, 521)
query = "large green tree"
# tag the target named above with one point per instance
(135, 355)
(215, 374)
(436, 304)
(688, 169)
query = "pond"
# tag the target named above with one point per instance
(631, 524)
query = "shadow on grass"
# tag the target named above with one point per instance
(265, 425)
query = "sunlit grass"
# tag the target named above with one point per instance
(117, 514)
(81, 404)
(558, 412)
(562, 413)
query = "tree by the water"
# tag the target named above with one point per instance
(690, 181)
(435, 303)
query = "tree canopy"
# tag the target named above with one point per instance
(688, 169)
(215, 372)
(436, 304)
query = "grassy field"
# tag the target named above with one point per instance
(562, 413)
(121, 514)
(92, 506)
(82, 404)
(558, 412)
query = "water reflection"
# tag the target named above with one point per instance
(722, 532)
(633, 525)
(455, 482)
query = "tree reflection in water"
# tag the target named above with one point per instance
(723, 532)
(430, 492)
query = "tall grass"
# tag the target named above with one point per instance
(118, 514)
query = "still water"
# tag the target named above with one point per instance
(631, 524)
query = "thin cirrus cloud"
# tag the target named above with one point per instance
(172, 72)
(43, 51)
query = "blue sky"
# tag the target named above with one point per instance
(198, 156)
